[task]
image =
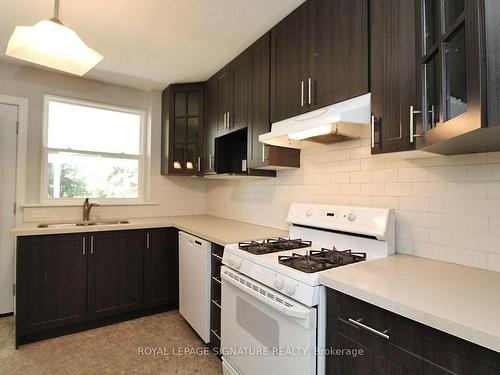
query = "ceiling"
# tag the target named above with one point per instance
(149, 44)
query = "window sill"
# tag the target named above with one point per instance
(74, 204)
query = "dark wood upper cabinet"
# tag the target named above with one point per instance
(319, 56)
(51, 282)
(161, 259)
(393, 74)
(116, 272)
(340, 65)
(182, 129)
(291, 60)
(241, 75)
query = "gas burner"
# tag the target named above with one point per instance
(273, 245)
(320, 260)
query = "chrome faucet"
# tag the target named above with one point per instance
(87, 207)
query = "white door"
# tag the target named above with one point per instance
(265, 332)
(8, 142)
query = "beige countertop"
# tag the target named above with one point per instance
(462, 301)
(214, 229)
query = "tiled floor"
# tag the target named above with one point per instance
(114, 349)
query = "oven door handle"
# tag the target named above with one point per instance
(303, 317)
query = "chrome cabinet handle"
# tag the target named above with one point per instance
(147, 240)
(229, 120)
(225, 120)
(263, 152)
(302, 93)
(210, 162)
(412, 130)
(358, 323)
(199, 164)
(309, 91)
(373, 131)
(91, 244)
(83, 245)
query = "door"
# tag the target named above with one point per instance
(290, 63)
(161, 273)
(211, 125)
(51, 281)
(341, 54)
(240, 67)
(224, 100)
(8, 152)
(393, 74)
(194, 283)
(115, 272)
(260, 320)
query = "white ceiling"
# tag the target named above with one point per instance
(149, 44)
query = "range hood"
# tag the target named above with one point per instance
(338, 122)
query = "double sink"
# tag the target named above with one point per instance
(82, 223)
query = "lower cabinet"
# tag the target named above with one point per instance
(70, 282)
(377, 341)
(115, 273)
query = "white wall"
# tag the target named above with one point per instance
(447, 208)
(175, 195)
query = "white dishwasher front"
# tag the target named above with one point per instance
(194, 283)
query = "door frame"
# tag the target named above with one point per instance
(22, 137)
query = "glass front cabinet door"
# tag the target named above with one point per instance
(449, 65)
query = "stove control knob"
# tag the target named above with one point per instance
(237, 264)
(309, 212)
(289, 289)
(351, 216)
(278, 283)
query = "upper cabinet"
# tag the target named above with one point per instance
(393, 74)
(319, 56)
(182, 129)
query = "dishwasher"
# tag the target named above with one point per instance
(194, 283)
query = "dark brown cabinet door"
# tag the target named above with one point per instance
(340, 69)
(259, 113)
(238, 116)
(393, 74)
(210, 125)
(115, 277)
(161, 270)
(224, 99)
(291, 42)
(182, 121)
(51, 282)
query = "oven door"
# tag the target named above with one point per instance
(263, 331)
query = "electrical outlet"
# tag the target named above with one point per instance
(39, 214)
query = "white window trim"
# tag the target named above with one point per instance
(143, 183)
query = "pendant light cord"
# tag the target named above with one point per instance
(56, 9)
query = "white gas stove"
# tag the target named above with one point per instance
(278, 281)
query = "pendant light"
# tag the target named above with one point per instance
(51, 44)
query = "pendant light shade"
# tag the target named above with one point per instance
(51, 44)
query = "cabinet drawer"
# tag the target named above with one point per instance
(406, 342)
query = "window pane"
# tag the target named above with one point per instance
(193, 103)
(456, 77)
(452, 9)
(92, 129)
(192, 129)
(432, 23)
(180, 130)
(431, 92)
(81, 176)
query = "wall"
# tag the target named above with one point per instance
(173, 195)
(447, 208)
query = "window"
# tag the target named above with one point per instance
(92, 150)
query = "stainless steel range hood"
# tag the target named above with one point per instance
(338, 122)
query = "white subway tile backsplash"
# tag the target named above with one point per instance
(447, 207)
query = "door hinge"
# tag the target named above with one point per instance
(15, 208)
(17, 127)
(14, 289)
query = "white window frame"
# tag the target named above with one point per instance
(143, 182)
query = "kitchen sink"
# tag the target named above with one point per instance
(82, 223)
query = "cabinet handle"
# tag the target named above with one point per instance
(263, 152)
(199, 164)
(147, 240)
(229, 120)
(373, 131)
(358, 323)
(309, 93)
(412, 130)
(224, 120)
(91, 244)
(83, 245)
(210, 162)
(301, 93)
